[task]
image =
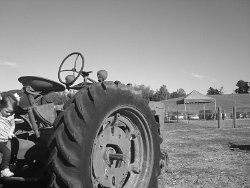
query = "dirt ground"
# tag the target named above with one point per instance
(203, 156)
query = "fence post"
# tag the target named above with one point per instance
(234, 117)
(219, 117)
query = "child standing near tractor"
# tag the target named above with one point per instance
(8, 105)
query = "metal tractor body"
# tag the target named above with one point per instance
(103, 136)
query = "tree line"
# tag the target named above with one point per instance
(242, 87)
(163, 94)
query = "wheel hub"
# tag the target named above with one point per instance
(111, 157)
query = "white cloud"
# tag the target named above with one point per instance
(197, 75)
(9, 64)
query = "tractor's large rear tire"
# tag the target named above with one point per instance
(106, 137)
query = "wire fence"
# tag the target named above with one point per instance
(205, 112)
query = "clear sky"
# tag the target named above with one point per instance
(189, 44)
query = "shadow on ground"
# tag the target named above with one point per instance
(233, 147)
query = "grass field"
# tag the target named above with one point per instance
(201, 155)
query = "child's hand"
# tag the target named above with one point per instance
(12, 117)
(11, 135)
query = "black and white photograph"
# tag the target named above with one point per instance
(125, 93)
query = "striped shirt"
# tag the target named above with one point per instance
(5, 125)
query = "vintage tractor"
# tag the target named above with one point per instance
(104, 136)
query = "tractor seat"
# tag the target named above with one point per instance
(40, 84)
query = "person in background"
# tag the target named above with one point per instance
(8, 106)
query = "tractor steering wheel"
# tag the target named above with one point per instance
(74, 69)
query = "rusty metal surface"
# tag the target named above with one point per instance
(47, 112)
